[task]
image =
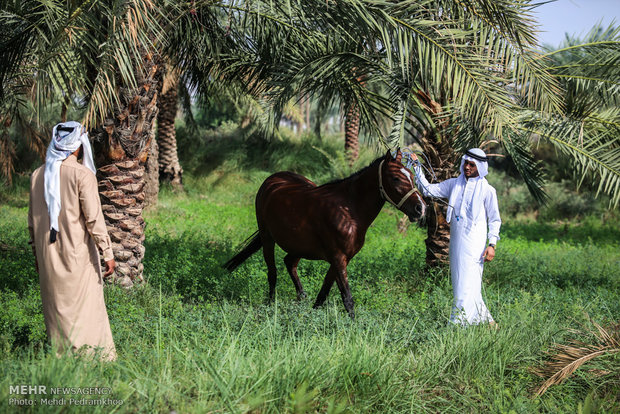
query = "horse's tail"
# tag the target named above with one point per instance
(250, 246)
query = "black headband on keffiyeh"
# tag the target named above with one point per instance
(477, 156)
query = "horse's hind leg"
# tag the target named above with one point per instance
(291, 265)
(327, 285)
(268, 254)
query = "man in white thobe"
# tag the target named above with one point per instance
(472, 207)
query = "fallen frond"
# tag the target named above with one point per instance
(564, 360)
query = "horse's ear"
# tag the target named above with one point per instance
(397, 158)
(399, 155)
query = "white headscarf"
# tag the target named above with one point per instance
(457, 192)
(63, 144)
(483, 166)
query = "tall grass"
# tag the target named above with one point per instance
(198, 339)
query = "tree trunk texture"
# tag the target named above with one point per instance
(351, 134)
(436, 146)
(352, 127)
(169, 167)
(438, 231)
(123, 144)
(307, 114)
(151, 186)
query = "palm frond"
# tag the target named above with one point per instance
(565, 359)
(519, 148)
(587, 130)
(308, 46)
(592, 144)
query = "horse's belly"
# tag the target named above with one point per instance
(298, 237)
(302, 221)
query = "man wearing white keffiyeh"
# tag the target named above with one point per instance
(66, 139)
(472, 205)
(67, 231)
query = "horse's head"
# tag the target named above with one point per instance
(397, 186)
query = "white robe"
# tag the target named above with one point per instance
(468, 235)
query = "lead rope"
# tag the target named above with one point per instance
(431, 171)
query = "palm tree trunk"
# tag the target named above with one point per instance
(437, 236)
(438, 232)
(169, 167)
(442, 157)
(123, 144)
(151, 187)
(352, 127)
(351, 134)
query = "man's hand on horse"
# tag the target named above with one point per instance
(489, 253)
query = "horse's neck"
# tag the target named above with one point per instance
(364, 192)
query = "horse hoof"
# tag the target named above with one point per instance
(302, 295)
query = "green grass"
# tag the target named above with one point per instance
(198, 339)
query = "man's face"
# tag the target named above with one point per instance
(470, 169)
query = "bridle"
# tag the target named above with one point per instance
(384, 194)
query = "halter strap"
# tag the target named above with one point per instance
(384, 194)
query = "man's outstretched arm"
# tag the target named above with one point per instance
(439, 190)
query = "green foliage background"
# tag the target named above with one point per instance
(196, 338)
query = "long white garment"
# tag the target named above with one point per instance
(473, 206)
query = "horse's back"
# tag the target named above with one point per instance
(284, 181)
(283, 190)
(288, 208)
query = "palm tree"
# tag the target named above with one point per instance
(105, 58)
(587, 130)
(169, 167)
(100, 56)
(449, 75)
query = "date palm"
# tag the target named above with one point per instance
(99, 56)
(103, 57)
(169, 167)
(448, 75)
(587, 130)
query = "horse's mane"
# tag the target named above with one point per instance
(355, 174)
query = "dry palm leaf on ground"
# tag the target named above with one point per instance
(565, 359)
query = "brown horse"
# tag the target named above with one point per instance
(328, 222)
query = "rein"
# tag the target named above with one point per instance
(384, 194)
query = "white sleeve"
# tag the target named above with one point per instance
(440, 190)
(492, 210)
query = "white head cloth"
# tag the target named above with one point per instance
(483, 166)
(476, 206)
(63, 144)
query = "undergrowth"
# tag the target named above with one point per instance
(196, 338)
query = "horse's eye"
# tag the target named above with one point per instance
(395, 179)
